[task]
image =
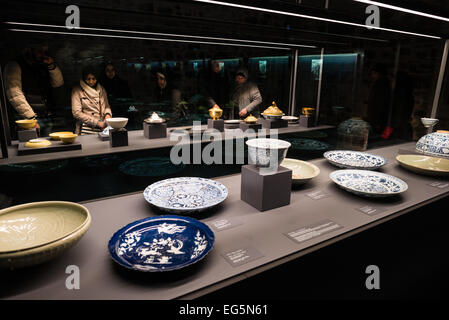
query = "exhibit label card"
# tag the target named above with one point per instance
(370, 210)
(224, 224)
(313, 231)
(318, 195)
(439, 184)
(241, 256)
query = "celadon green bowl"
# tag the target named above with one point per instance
(302, 171)
(424, 164)
(36, 232)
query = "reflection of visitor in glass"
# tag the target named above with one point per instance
(215, 84)
(164, 92)
(30, 81)
(115, 86)
(246, 94)
(379, 98)
(90, 105)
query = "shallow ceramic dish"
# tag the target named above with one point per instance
(235, 121)
(368, 183)
(267, 152)
(302, 171)
(185, 194)
(26, 124)
(423, 164)
(37, 232)
(117, 123)
(354, 159)
(56, 135)
(38, 143)
(161, 243)
(308, 144)
(434, 144)
(68, 138)
(150, 167)
(291, 119)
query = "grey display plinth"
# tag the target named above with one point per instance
(245, 126)
(27, 135)
(103, 137)
(215, 124)
(154, 130)
(306, 121)
(266, 190)
(273, 124)
(118, 137)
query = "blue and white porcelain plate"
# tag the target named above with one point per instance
(368, 183)
(185, 194)
(354, 159)
(162, 243)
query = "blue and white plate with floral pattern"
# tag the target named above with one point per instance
(185, 194)
(368, 183)
(162, 243)
(354, 159)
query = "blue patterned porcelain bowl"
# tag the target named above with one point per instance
(435, 144)
(161, 243)
(267, 152)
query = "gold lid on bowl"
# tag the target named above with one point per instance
(251, 119)
(273, 110)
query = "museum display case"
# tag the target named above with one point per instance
(219, 140)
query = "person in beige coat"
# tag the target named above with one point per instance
(30, 81)
(90, 105)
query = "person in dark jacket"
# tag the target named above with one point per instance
(215, 85)
(164, 92)
(115, 86)
(379, 98)
(30, 84)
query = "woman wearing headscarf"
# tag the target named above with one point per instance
(90, 105)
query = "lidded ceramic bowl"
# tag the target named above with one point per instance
(251, 119)
(267, 152)
(435, 144)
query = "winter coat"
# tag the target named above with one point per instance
(247, 95)
(27, 84)
(89, 105)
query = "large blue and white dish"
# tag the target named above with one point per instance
(185, 194)
(354, 159)
(162, 243)
(368, 183)
(434, 144)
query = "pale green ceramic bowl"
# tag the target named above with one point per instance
(36, 232)
(302, 171)
(424, 164)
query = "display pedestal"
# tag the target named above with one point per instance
(27, 135)
(306, 121)
(154, 130)
(266, 190)
(118, 137)
(273, 123)
(216, 124)
(245, 126)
